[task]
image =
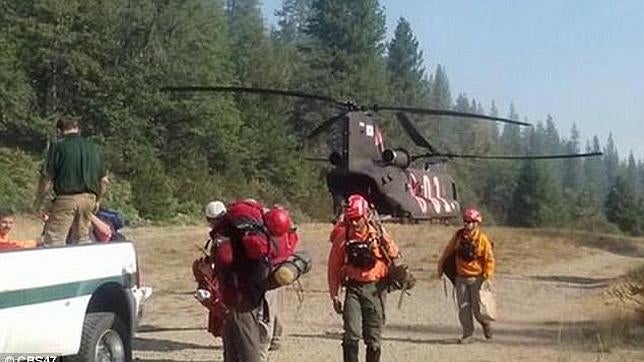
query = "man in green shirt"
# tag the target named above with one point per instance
(75, 168)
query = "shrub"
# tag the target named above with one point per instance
(18, 179)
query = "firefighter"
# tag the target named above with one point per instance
(474, 262)
(248, 242)
(360, 259)
(7, 219)
(208, 292)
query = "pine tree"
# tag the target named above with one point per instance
(572, 168)
(494, 112)
(348, 39)
(458, 132)
(511, 136)
(594, 176)
(293, 18)
(622, 207)
(535, 202)
(584, 209)
(345, 57)
(611, 160)
(258, 63)
(632, 174)
(439, 97)
(18, 126)
(640, 176)
(552, 144)
(405, 65)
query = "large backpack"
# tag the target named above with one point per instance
(242, 254)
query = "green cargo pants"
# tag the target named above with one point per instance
(363, 313)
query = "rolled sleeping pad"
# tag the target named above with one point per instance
(291, 270)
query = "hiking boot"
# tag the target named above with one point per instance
(350, 351)
(373, 354)
(466, 340)
(487, 331)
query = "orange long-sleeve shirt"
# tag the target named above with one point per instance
(338, 267)
(483, 263)
(8, 244)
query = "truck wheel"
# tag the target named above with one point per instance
(104, 338)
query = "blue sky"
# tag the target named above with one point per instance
(581, 61)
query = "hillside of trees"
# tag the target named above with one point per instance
(105, 61)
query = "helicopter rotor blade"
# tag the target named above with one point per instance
(324, 125)
(509, 157)
(235, 89)
(413, 133)
(442, 112)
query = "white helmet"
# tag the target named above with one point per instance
(215, 209)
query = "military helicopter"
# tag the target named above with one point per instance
(361, 163)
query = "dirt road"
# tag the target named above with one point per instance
(549, 292)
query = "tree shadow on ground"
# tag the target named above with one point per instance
(150, 329)
(338, 337)
(616, 244)
(507, 332)
(578, 282)
(165, 345)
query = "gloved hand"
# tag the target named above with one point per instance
(337, 305)
(401, 278)
(487, 283)
(202, 295)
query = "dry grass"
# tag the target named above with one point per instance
(166, 253)
(515, 249)
(629, 292)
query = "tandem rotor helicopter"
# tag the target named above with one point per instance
(361, 163)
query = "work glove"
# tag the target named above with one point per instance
(487, 283)
(401, 278)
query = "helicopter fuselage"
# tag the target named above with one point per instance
(394, 188)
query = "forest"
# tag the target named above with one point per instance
(168, 154)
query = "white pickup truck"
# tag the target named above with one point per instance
(81, 301)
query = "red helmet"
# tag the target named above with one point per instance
(356, 207)
(471, 214)
(278, 221)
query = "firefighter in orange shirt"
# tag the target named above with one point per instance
(7, 219)
(474, 262)
(360, 259)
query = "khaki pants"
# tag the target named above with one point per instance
(244, 335)
(467, 295)
(70, 214)
(274, 302)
